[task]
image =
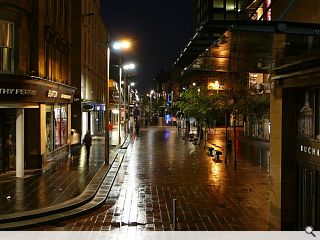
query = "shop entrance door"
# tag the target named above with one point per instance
(308, 198)
(7, 130)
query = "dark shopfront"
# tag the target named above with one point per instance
(34, 122)
(7, 130)
(295, 143)
(308, 157)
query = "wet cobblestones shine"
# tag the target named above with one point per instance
(160, 166)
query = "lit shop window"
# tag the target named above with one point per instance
(6, 46)
(305, 121)
(60, 125)
(49, 128)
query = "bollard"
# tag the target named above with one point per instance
(174, 211)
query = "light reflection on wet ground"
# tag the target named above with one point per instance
(210, 195)
(64, 180)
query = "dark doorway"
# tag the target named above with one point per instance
(7, 128)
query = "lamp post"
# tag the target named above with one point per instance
(119, 104)
(120, 45)
(129, 66)
(106, 113)
(151, 93)
(129, 97)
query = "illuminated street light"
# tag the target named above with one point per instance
(128, 66)
(119, 45)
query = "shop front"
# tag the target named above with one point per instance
(34, 123)
(295, 143)
(92, 118)
(308, 157)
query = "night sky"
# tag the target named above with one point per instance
(160, 30)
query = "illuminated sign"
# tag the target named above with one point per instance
(18, 91)
(310, 150)
(52, 94)
(65, 96)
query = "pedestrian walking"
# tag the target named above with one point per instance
(110, 127)
(146, 122)
(73, 143)
(137, 128)
(87, 141)
(179, 123)
(9, 152)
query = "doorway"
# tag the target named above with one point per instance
(308, 197)
(7, 139)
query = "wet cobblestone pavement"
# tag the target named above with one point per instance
(210, 194)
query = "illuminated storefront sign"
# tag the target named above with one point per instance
(18, 91)
(52, 94)
(65, 96)
(310, 150)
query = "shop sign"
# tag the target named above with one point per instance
(39, 91)
(308, 150)
(18, 91)
(52, 94)
(87, 106)
(65, 96)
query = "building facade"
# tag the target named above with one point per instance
(89, 62)
(35, 82)
(278, 55)
(294, 113)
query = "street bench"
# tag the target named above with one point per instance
(210, 151)
(218, 154)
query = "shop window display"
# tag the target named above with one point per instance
(309, 114)
(49, 129)
(60, 125)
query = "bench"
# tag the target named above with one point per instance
(210, 151)
(218, 154)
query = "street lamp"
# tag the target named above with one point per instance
(129, 100)
(120, 45)
(129, 66)
(151, 93)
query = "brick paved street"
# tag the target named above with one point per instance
(160, 167)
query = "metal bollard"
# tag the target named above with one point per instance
(174, 211)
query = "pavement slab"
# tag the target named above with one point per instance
(210, 195)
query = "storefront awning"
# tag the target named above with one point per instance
(252, 45)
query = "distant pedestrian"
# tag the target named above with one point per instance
(146, 122)
(87, 141)
(73, 143)
(131, 123)
(9, 151)
(137, 128)
(179, 123)
(110, 127)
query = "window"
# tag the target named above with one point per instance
(49, 129)
(60, 125)
(6, 46)
(218, 4)
(306, 114)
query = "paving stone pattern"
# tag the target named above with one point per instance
(210, 194)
